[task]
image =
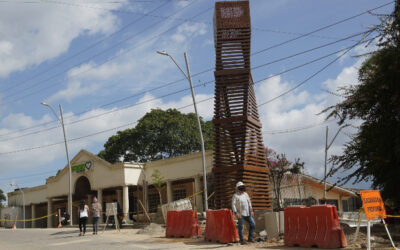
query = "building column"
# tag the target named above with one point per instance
(119, 196)
(33, 215)
(49, 211)
(199, 197)
(125, 203)
(100, 201)
(90, 198)
(169, 192)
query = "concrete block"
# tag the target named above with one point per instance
(274, 224)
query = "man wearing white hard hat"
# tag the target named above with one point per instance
(241, 207)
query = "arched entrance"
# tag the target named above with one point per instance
(82, 188)
(81, 192)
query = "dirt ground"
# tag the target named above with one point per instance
(379, 237)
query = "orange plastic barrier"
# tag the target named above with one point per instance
(220, 226)
(316, 226)
(182, 223)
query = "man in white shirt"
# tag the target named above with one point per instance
(241, 207)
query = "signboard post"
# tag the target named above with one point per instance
(374, 209)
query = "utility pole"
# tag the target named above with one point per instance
(326, 155)
(61, 120)
(203, 154)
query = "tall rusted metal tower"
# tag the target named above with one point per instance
(238, 145)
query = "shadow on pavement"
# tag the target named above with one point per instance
(65, 232)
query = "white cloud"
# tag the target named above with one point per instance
(34, 33)
(29, 159)
(21, 121)
(300, 109)
(182, 3)
(186, 31)
(142, 65)
(74, 90)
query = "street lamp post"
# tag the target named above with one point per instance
(326, 154)
(189, 78)
(23, 199)
(61, 120)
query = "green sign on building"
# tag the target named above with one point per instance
(82, 167)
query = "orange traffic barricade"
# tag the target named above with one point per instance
(220, 226)
(182, 223)
(316, 226)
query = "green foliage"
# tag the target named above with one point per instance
(374, 151)
(159, 134)
(158, 184)
(158, 179)
(2, 198)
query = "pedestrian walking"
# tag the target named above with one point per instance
(83, 217)
(96, 210)
(243, 210)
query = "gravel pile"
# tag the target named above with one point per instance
(152, 229)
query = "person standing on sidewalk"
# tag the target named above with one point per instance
(96, 210)
(243, 210)
(83, 216)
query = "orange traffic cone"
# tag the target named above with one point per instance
(15, 221)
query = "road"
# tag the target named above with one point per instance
(67, 238)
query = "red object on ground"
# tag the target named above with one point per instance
(292, 225)
(182, 223)
(316, 226)
(220, 226)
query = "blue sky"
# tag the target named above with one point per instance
(97, 59)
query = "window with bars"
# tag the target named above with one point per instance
(179, 194)
(154, 201)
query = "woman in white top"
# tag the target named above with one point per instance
(83, 217)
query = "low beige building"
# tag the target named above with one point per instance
(125, 183)
(302, 189)
(131, 185)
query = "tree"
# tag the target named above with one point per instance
(159, 134)
(279, 169)
(2, 198)
(374, 150)
(159, 183)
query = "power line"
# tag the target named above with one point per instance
(322, 28)
(179, 80)
(274, 46)
(26, 176)
(280, 131)
(176, 92)
(129, 124)
(312, 49)
(312, 76)
(101, 106)
(293, 33)
(96, 55)
(89, 135)
(85, 49)
(292, 130)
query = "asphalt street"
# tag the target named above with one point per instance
(68, 238)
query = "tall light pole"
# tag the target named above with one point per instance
(326, 154)
(189, 78)
(23, 198)
(61, 120)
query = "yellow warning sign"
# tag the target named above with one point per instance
(373, 204)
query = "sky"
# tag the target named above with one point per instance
(97, 59)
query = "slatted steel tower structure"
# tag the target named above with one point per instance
(238, 145)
